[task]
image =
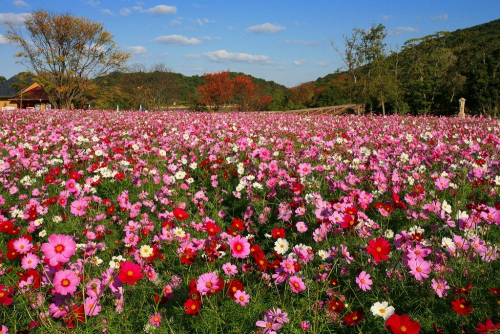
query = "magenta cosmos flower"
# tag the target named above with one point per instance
(240, 247)
(59, 249)
(364, 281)
(296, 284)
(65, 281)
(419, 268)
(207, 282)
(78, 207)
(241, 297)
(29, 261)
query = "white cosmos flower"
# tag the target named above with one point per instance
(146, 251)
(382, 309)
(446, 207)
(281, 246)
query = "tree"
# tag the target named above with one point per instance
(245, 92)
(2, 79)
(65, 52)
(217, 90)
(152, 87)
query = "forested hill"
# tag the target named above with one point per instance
(428, 74)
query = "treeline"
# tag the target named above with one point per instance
(426, 75)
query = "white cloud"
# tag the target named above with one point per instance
(299, 62)
(137, 50)
(323, 63)
(125, 11)
(402, 30)
(192, 56)
(386, 17)
(3, 39)
(443, 17)
(107, 11)
(161, 10)
(222, 56)
(20, 4)
(304, 43)
(177, 40)
(16, 19)
(266, 28)
(93, 3)
(201, 22)
(176, 22)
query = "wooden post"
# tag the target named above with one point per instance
(461, 113)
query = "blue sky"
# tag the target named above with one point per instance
(284, 41)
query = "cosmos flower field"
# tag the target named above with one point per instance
(248, 223)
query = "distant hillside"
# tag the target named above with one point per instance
(428, 75)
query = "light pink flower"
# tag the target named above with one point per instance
(240, 247)
(419, 268)
(230, 269)
(59, 249)
(29, 261)
(22, 245)
(440, 286)
(65, 281)
(241, 297)
(296, 284)
(364, 281)
(92, 306)
(301, 227)
(207, 282)
(78, 207)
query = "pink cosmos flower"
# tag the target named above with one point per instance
(155, 319)
(241, 297)
(442, 183)
(65, 281)
(92, 306)
(207, 282)
(296, 284)
(268, 324)
(240, 247)
(301, 227)
(71, 186)
(440, 286)
(419, 268)
(29, 261)
(59, 249)
(230, 269)
(304, 169)
(78, 207)
(364, 281)
(22, 245)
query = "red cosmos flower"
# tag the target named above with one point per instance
(120, 176)
(349, 221)
(6, 226)
(462, 306)
(130, 273)
(354, 317)
(335, 305)
(402, 324)
(379, 249)
(6, 293)
(188, 256)
(238, 224)
(397, 201)
(495, 292)
(351, 211)
(462, 291)
(76, 314)
(278, 232)
(180, 214)
(261, 260)
(488, 327)
(192, 306)
(438, 330)
(212, 229)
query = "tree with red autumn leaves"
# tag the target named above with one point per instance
(220, 89)
(217, 90)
